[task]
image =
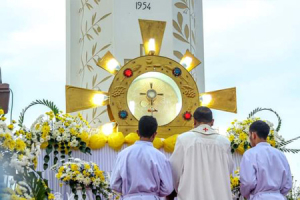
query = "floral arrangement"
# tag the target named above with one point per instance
(239, 130)
(56, 132)
(19, 161)
(78, 173)
(235, 184)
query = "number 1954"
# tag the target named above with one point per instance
(142, 5)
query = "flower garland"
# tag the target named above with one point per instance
(78, 173)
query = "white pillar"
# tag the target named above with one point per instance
(94, 27)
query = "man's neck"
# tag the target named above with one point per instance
(144, 139)
(201, 123)
(260, 141)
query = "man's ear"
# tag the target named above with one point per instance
(254, 135)
(212, 122)
(154, 135)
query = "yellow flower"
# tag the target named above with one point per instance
(1, 112)
(61, 130)
(58, 175)
(7, 136)
(235, 181)
(272, 142)
(10, 127)
(74, 167)
(3, 118)
(51, 196)
(243, 136)
(28, 136)
(46, 129)
(87, 166)
(231, 137)
(241, 149)
(14, 121)
(60, 185)
(20, 145)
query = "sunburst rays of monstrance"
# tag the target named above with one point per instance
(151, 85)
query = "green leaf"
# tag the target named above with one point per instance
(176, 26)
(90, 68)
(94, 49)
(55, 160)
(180, 19)
(178, 54)
(179, 37)
(106, 46)
(93, 18)
(89, 6)
(104, 16)
(89, 37)
(45, 166)
(46, 158)
(49, 149)
(187, 32)
(181, 5)
(88, 150)
(95, 31)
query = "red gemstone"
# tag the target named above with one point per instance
(187, 115)
(128, 72)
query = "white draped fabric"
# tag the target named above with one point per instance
(104, 158)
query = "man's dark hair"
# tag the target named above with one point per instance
(203, 114)
(261, 128)
(147, 126)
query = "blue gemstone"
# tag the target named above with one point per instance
(177, 71)
(123, 114)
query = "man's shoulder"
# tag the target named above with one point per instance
(223, 139)
(186, 135)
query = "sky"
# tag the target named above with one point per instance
(253, 45)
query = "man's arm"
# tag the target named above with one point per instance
(177, 160)
(287, 183)
(166, 180)
(247, 176)
(116, 179)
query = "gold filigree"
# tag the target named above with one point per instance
(188, 91)
(118, 91)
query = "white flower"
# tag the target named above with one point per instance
(96, 182)
(80, 178)
(58, 138)
(48, 137)
(87, 181)
(74, 143)
(41, 140)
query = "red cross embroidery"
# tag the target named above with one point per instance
(205, 129)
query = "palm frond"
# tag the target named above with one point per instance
(44, 102)
(289, 150)
(256, 110)
(284, 143)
